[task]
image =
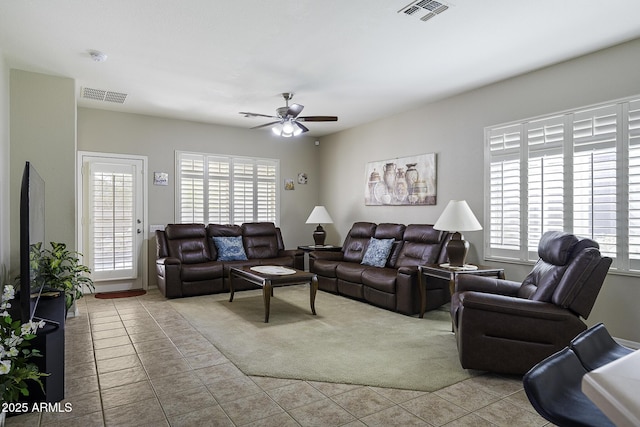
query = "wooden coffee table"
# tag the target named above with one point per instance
(269, 277)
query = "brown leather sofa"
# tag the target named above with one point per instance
(187, 259)
(394, 286)
(508, 327)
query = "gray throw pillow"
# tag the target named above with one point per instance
(230, 248)
(378, 252)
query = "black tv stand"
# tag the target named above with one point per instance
(49, 341)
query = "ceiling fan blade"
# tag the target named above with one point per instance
(318, 119)
(301, 126)
(294, 110)
(266, 124)
(247, 114)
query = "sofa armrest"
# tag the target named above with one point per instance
(330, 255)
(490, 285)
(168, 261)
(519, 307)
(408, 271)
(296, 254)
(169, 282)
(291, 252)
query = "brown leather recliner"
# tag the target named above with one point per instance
(507, 327)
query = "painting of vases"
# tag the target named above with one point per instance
(409, 181)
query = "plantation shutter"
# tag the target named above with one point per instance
(219, 184)
(545, 185)
(633, 131)
(191, 188)
(113, 228)
(226, 190)
(266, 199)
(243, 191)
(504, 191)
(594, 176)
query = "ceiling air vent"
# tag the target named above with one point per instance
(103, 95)
(424, 9)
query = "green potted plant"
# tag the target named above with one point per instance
(59, 268)
(16, 369)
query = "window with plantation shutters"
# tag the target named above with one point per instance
(225, 190)
(577, 171)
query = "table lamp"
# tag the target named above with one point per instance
(319, 215)
(457, 217)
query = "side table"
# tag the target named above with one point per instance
(312, 248)
(451, 274)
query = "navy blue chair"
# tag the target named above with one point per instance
(595, 347)
(553, 387)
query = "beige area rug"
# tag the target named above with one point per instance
(347, 342)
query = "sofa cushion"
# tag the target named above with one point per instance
(261, 240)
(422, 245)
(325, 267)
(350, 272)
(230, 248)
(355, 244)
(221, 230)
(202, 271)
(377, 252)
(188, 243)
(382, 279)
(391, 231)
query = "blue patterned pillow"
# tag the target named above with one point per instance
(230, 248)
(377, 252)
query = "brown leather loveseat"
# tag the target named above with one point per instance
(394, 285)
(189, 263)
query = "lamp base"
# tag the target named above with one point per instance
(319, 236)
(457, 250)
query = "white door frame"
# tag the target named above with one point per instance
(143, 265)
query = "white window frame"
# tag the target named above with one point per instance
(612, 126)
(259, 177)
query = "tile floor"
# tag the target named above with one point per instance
(137, 362)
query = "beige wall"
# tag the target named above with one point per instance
(43, 131)
(453, 129)
(159, 138)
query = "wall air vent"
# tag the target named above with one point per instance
(103, 95)
(424, 9)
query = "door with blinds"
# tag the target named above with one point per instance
(112, 221)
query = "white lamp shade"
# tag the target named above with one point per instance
(319, 215)
(457, 216)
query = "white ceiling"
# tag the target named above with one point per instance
(206, 60)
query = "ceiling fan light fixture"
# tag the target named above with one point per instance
(286, 129)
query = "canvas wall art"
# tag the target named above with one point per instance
(407, 181)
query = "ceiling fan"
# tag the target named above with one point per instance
(288, 121)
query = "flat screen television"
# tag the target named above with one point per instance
(31, 233)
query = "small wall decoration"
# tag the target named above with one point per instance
(160, 178)
(288, 184)
(302, 178)
(402, 181)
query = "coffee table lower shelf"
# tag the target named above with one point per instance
(269, 281)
